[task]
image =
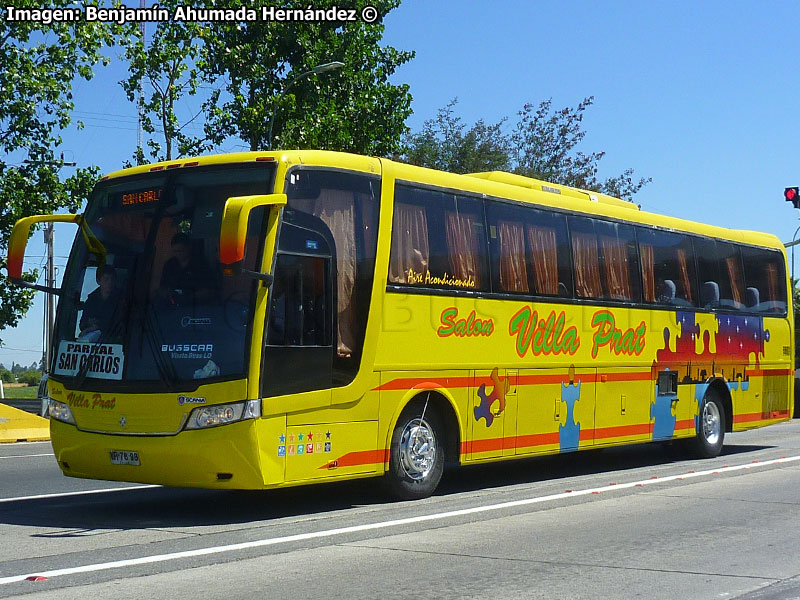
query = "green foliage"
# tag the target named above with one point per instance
(6, 376)
(352, 109)
(167, 71)
(18, 393)
(246, 74)
(30, 377)
(444, 144)
(38, 64)
(541, 145)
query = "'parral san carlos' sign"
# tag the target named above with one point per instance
(103, 361)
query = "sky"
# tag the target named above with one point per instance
(702, 97)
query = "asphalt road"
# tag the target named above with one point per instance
(641, 521)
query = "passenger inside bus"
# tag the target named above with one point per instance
(100, 306)
(186, 277)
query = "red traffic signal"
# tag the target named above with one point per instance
(792, 194)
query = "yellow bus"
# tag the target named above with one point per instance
(271, 319)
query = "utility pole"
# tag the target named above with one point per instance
(50, 300)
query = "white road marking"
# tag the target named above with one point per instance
(387, 524)
(25, 455)
(79, 493)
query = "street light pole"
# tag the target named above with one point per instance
(50, 274)
(331, 66)
(793, 244)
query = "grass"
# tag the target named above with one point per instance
(21, 392)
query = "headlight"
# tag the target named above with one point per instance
(61, 412)
(223, 414)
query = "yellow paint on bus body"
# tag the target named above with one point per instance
(519, 377)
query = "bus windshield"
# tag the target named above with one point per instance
(157, 307)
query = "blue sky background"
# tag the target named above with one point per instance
(700, 96)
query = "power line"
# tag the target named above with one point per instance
(103, 114)
(20, 349)
(109, 127)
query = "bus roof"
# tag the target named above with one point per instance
(498, 184)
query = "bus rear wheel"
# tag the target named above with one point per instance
(710, 427)
(416, 455)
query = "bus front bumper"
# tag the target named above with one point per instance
(225, 457)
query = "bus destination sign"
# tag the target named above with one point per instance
(143, 197)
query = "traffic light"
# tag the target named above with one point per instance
(792, 194)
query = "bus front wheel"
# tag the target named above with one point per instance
(710, 427)
(416, 459)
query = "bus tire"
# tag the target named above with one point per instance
(416, 454)
(710, 435)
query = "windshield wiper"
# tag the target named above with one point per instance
(165, 369)
(118, 326)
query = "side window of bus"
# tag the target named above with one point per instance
(348, 204)
(299, 312)
(720, 274)
(732, 289)
(604, 256)
(708, 273)
(667, 268)
(765, 290)
(530, 251)
(438, 240)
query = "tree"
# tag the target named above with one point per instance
(166, 71)
(6, 376)
(37, 66)
(30, 376)
(352, 109)
(443, 144)
(541, 145)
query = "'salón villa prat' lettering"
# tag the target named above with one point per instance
(630, 342)
(471, 326)
(545, 336)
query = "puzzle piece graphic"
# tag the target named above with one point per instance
(484, 409)
(662, 415)
(736, 385)
(569, 434)
(692, 341)
(728, 337)
(707, 344)
(699, 393)
(740, 336)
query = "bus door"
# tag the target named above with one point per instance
(556, 410)
(493, 413)
(299, 350)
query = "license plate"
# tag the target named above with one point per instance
(124, 457)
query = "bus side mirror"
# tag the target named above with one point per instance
(233, 230)
(19, 241)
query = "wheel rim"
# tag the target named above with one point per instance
(417, 449)
(712, 425)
